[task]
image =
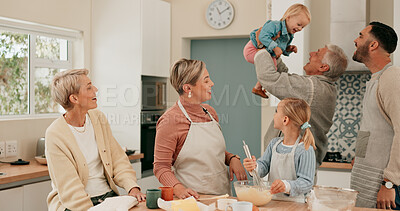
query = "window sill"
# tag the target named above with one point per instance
(5, 118)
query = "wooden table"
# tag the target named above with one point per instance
(271, 206)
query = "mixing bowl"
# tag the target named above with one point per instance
(247, 191)
(331, 198)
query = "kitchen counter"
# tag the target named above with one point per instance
(273, 205)
(34, 172)
(336, 165)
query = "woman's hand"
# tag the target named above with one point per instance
(135, 192)
(250, 164)
(235, 167)
(182, 192)
(278, 187)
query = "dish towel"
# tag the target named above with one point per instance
(117, 203)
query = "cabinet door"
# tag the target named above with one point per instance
(11, 199)
(156, 37)
(35, 195)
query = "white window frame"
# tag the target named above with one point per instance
(34, 30)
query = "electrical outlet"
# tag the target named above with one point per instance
(11, 148)
(2, 149)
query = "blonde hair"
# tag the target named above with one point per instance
(66, 83)
(299, 112)
(186, 71)
(296, 9)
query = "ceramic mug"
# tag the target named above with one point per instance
(152, 196)
(240, 206)
(167, 193)
(223, 203)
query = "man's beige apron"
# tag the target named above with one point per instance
(283, 168)
(374, 142)
(200, 164)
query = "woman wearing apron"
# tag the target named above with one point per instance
(190, 153)
(289, 160)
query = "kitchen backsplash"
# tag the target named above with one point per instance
(346, 121)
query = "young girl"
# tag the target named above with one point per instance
(289, 160)
(276, 37)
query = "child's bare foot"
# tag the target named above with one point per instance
(260, 92)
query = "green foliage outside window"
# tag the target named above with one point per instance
(14, 73)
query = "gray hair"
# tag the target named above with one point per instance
(337, 61)
(66, 83)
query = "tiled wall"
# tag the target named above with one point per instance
(346, 121)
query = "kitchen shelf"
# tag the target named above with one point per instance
(336, 165)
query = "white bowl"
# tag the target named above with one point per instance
(41, 160)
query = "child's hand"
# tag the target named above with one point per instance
(278, 52)
(291, 48)
(250, 164)
(278, 187)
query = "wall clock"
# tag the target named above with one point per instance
(220, 14)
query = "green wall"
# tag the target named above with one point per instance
(238, 109)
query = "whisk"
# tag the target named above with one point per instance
(256, 178)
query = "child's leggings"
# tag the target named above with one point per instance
(249, 51)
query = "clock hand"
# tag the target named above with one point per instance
(224, 10)
(218, 11)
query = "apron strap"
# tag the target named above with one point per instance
(184, 111)
(296, 144)
(205, 110)
(276, 144)
(294, 147)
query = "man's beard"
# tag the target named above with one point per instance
(361, 53)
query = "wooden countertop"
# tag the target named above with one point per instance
(271, 206)
(336, 165)
(15, 173)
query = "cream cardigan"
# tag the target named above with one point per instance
(68, 169)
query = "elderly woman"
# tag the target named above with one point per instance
(190, 140)
(85, 161)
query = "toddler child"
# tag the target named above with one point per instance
(276, 37)
(289, 160)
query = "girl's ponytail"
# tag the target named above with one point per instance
(299, 112)
(308, 138)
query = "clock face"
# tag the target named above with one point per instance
(219, 14)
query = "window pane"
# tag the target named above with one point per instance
(51, 48)
(43, 101)
(13, 73)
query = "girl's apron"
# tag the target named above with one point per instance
(200, 164)
(283, 168)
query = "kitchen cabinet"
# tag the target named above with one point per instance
(349, 17)
(25, 198)
(11, 199)
(156, 37)
(116, 66)
(35, 195)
